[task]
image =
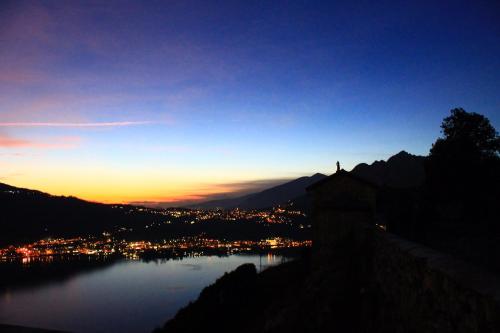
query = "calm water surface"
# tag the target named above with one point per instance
(128, 296)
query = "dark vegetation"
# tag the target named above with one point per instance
(29, 215)
(365, 282)
(455, 208)
(291, 297)
(244, 300)
(449, 201)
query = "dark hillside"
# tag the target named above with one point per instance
(28, 215)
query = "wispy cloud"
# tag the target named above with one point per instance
(91, 124)
(249, 186)
(59, 142)
(8, 142)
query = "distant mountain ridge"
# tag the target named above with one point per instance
(30, 214)
(273, 196)
(402, 170)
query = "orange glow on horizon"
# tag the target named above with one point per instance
(137, 178)
(121, 189)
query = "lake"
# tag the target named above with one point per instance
(127, 296)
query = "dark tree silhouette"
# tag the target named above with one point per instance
(467, 135)
(462, 168)
(458, 205)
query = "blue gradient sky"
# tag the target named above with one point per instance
(165, 101)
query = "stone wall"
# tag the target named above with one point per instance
(403, 286)
(416, 289)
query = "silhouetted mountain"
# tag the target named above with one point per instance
(27, 215)
(402, 170)
(273, 196)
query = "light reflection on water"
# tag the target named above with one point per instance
(128, 296)
(29, 260)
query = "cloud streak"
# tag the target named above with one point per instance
(223, 191)
(7, 142)
(61, 142)
(75, 125)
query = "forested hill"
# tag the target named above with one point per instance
(27, 215)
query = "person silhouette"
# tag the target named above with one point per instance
(338, 166)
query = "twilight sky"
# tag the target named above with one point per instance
(166, 101)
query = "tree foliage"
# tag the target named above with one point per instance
(468, 135)
(462, 168)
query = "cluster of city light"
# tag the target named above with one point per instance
(61, 247)
(279, 214)
(105, 246)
